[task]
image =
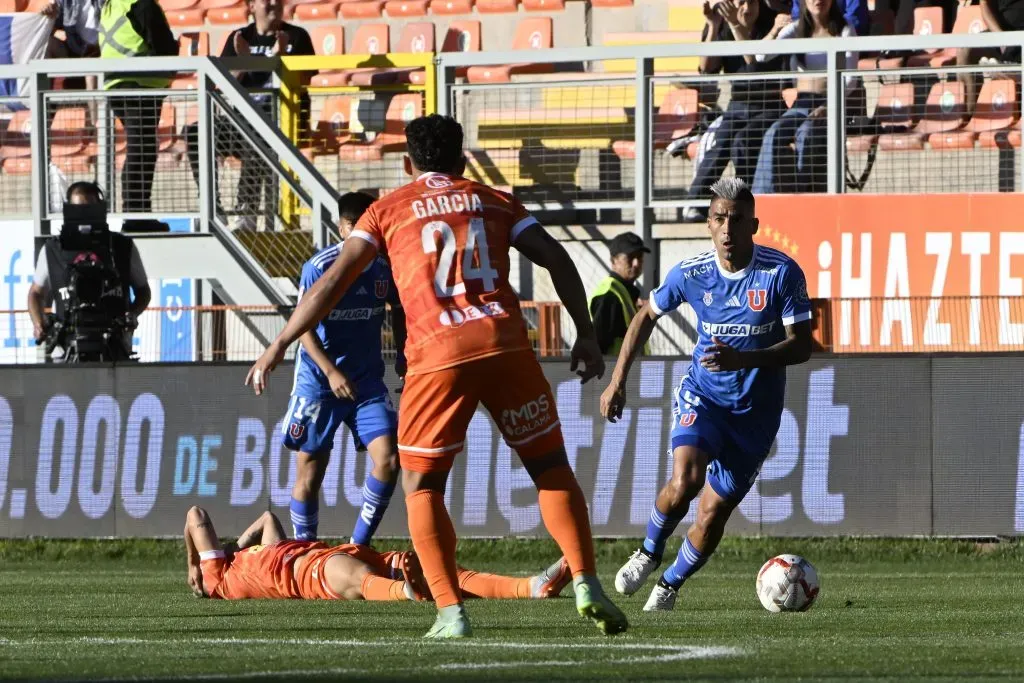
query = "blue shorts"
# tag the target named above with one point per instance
(310, 423)
(736, 443)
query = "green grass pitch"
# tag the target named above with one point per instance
(889, 610)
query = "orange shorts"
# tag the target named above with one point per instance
(437, 407)
(213, 564)
(312, 583)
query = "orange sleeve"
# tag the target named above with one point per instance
(521, 219)
(368, 228)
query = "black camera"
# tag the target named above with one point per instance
(93, 319)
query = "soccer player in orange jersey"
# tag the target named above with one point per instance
(448, 240)
(265, 564)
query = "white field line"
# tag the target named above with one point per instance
(682, 652)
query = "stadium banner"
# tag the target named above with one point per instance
(866, 446)
(966, 248)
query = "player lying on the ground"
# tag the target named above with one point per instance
(449, 240)
(265, 564)
(339, 378)
(753, 320)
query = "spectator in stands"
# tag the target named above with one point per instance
(267, 36)
(753, 105)
(778, 168)
(80, 21)
(854, 12)
(999, 16)
(136, 28)
(617, 298)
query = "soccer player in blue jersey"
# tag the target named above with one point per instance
(339, 378)
(753, 320)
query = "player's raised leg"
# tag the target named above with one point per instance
(308, 428)
(700, 541)
(376, 425)
(672, 504)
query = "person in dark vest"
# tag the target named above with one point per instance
(53, 270)
(130, 29)
(616, 299)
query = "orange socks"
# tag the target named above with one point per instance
(379, 588)
(564, 511)
(480, 585)
(433, 537)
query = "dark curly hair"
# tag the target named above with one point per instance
(435, 144)
(352, 205)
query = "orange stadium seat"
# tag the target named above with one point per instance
(968, 20)
(406, 8)
(417, 37)
(169, 6)
(16, 151)
(316, 11)
(68, 131)
(186, 18)
(677, 115)
(943, 113)
(927, 21)
(221, 4)
(13, 5)
(534, 33)
(883, 23)
(894, 109)
(194, 44)
(611, 3)
(401, 109)
(370, 39)
(328, 40)
(543, 5)
(362, 10)
(497, 6)
(462, 36)
(331, 127)
(451, 6)
(228, 16)
(995, 111)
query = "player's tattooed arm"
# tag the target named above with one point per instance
(613, 400)
(265, 530)
(793, 350)
(339, 382)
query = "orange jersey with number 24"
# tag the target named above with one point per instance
(448, 240)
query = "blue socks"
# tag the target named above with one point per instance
(686, 565)
(660, 528)
(305, 517)
(376, 496)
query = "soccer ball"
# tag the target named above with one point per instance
(787, 583)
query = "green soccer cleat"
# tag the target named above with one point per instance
(452, 622)
(592, 603)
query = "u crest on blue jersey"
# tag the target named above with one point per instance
(757, 299)
(296, 430)
(687, 419)
(380, 288)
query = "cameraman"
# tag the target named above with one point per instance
(52, 275)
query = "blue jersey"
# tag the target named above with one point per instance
(747, 310)
(351, 333)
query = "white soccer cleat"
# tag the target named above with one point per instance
(635, 572)
(662, 599)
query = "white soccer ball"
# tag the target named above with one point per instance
(787, 583)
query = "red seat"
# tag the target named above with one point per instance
(968, 20)
(328, 40)
(186, 18)
(451, 6)
(543, 5)
(417, 37)
(194, 44)
(497, 6)
(927, 21)
(331, 129)
(462, 36)
(370, 39)
(221, 4)
(228, 16)
(944, 112)
(69, 130)
(534, 33)
(362, 10)
(8, 6)
(169, 6)
(894, 109)
(316, 11)
(677, 115)
(401, 110)
(996, 110)
(406, 8)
